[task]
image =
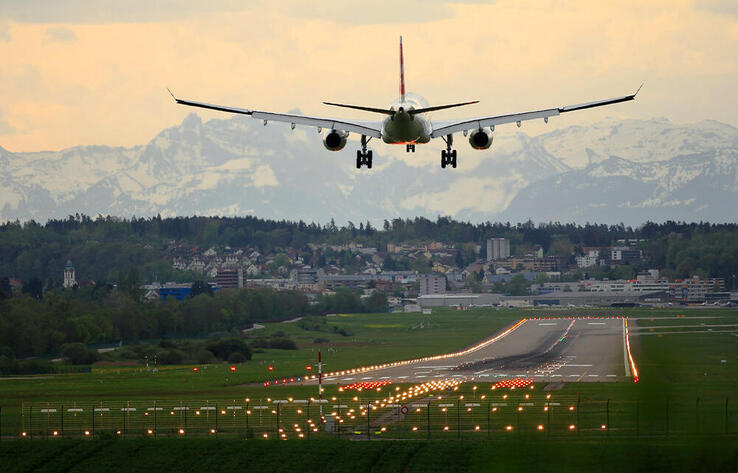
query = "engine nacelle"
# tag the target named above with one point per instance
(480, 139)
(335, 140)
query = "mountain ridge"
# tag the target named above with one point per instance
(236, 166)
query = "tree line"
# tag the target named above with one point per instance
(103, 247)
(32, 326)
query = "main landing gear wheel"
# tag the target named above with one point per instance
(410, 148)
(363, 156)
(448, 155)
(448, 158)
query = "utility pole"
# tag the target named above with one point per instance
(320, 383)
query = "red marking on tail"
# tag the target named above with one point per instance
(402, 73)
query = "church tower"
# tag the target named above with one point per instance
(69, 276)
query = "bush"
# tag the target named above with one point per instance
(204, 356)
(172, 357)
(283, 344)
(224, 347)
(236, 357)
(78, 354)
(261, 343)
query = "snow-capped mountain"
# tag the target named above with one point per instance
(236, 166)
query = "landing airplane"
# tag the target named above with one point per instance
(407, 122)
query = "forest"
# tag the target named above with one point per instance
(32, 326)
(103, 248)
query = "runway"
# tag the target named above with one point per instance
(552, 350)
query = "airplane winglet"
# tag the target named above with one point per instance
(170, 93)
(639, 89)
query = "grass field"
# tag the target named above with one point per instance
(195, 456)
(685, 391)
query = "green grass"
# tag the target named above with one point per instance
(676, 369)
(188, 455)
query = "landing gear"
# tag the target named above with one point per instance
(410, 148)
(363, 156)
(448, 155)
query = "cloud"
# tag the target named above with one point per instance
(4, 31)
(719, 7)
(60, 34)
(111, 11)
(5, 128)
(137, 11)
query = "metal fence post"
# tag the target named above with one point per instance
(489, 428)
(309, 429)
(247, 421)
(368, 425)
(607, 418)
(30, 421)
(155, 424)
(278, 404)
(548, 419)
(218, 412)
(579, 427)
(428, 428)
(92, 411)
(458, 418)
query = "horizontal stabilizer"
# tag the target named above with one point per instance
(360, 107)
(439, 107)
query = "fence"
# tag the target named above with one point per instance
(449, 415)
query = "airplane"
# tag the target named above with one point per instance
(407, 122)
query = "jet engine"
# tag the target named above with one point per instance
(335, 140)
(480, 139)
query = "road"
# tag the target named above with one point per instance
(554, 350)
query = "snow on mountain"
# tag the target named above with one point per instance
(697, 187)
(637, 140)
(236, 166)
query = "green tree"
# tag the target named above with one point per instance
(518, 286)
(200, 287)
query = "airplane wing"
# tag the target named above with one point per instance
(322, 123)
(477, 123)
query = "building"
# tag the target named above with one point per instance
(459, 300)
(590, 259)
(498, 248)
(531, 263)
(432, 284)
(230, 278)
(69, 275)
(625, 255)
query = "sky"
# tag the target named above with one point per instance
(76, 72)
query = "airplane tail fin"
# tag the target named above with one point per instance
(402, 74)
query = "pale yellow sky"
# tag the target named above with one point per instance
(73, 74)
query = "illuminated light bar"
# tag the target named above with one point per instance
(633, 369)
(513, 383)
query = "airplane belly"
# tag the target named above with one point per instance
(405, 131)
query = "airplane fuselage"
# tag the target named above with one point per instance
(403, 128)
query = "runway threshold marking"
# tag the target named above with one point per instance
(596, 323)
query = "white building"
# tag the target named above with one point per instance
(432, 284)
(69, 275)
(590, 259)
(498, 248)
